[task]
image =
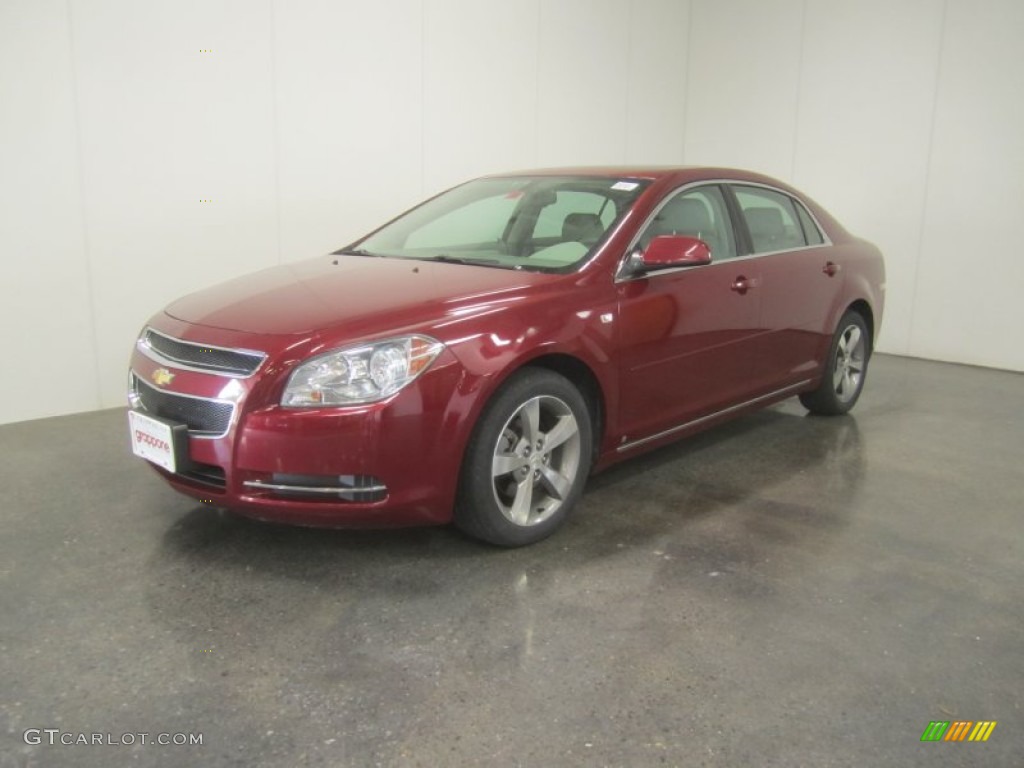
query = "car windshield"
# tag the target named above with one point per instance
(543, 223)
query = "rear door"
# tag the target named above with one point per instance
(798, 288)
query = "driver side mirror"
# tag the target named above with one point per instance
(670, 251)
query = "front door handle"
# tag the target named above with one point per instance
(741, 285)
(831, 268)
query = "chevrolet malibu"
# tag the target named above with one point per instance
(476, 358)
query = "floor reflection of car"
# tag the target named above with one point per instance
(476, 358)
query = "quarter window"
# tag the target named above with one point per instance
(771, 219)
(811, 232)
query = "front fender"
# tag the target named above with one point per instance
(491, 349)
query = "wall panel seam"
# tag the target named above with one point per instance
(275, 122)
(86, 247)
(799, 89)
(686, 80)
(926, 198)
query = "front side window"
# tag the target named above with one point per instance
(543, 223)
(700, 213)
(771, 219)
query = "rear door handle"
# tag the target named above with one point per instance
(741, 285)
(831, 268)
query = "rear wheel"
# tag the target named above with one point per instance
(527, 461)
(845, 369)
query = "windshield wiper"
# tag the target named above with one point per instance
(449, 259)
(446, 259)
(357, 252)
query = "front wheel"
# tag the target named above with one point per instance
(527, 461)
(845, 369)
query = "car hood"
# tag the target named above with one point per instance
(363, 294)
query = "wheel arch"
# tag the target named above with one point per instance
(583, 377)
(863, 308)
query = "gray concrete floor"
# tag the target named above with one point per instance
(782, 591)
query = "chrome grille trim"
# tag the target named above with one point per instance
(367, 493)
(203, 358)
(140, 392)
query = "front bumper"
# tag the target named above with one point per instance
(390, 463)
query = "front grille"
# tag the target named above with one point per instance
(232, 362)
(203, 417)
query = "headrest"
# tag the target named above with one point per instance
(582, 227)
(765, 222)
(684, 216)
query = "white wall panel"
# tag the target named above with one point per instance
(307, 122)
(967, 304)
(744, 75)
(165, 127)
(656, 89)
(479, 89)
(45, 304)
(865, 113)
(349, 117)
(581, 82)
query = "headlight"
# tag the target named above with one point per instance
(360, 374)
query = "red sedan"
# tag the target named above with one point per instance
(476, 358)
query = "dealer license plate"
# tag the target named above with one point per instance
(155, 440)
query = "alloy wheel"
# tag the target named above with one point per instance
(849, 368)
(536, 460)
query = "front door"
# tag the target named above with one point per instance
(687, 337)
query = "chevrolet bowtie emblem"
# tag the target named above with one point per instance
(162, 377)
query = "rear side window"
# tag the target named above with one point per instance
(772, 219)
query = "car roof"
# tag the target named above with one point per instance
(680, 173)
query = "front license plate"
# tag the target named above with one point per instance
(161, 442)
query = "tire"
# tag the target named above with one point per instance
(846, 367)
(527, 461)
